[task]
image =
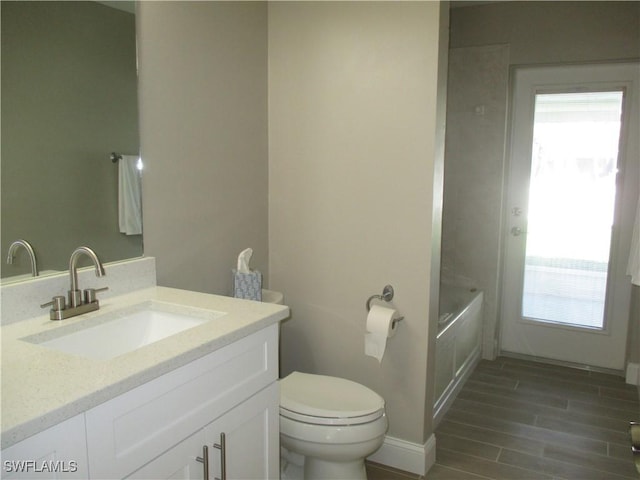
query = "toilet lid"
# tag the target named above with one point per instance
(320, 399)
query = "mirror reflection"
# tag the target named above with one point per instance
(69, 99)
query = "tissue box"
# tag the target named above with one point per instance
(247, 285)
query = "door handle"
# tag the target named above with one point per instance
(222, 446)
(204, 459)
(517, 231)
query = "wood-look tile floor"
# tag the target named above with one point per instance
(515, 419)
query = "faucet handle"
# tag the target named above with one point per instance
(57, 303)
(90, 294)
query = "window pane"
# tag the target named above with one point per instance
(571, 205)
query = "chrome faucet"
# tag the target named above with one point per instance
(75, 295)
(79, 301)
(32, 256)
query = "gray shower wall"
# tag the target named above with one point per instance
(474, 162)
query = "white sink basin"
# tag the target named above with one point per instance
(106, 336)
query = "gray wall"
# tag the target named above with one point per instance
(551, 32)
(69, 98)
(203, 117)
(353, 157)
(354, 154)
(486, 41)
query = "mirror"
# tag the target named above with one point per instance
(69, 99)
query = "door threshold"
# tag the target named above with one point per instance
(562, 363)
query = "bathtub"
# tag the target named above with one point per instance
(457, 344)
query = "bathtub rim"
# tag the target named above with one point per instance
(473, 294)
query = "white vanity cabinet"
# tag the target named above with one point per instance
(138, 427)
(181, 462)
(249, 449)
(251, 452)
(59, 452)
(157, 429)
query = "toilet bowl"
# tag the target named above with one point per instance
(332, 422)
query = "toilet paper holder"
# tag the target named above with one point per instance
(387, 296)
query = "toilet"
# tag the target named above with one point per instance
(332, 422)
(329, 425)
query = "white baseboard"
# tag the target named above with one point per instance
(407, 456)
(632, 376)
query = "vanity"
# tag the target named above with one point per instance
(200, 403)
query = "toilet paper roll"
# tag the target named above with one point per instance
(380, 327)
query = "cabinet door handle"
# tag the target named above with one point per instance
(222, 446)
(204, 459)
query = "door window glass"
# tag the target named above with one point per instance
(571, 206)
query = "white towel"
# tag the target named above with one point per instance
(633, 268)
(129, 195)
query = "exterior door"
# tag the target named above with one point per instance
(573, 183)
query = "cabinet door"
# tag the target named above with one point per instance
(60, 452)
(251, 431)
(178, 463)
(136, 427)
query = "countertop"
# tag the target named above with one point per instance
(42, 387)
